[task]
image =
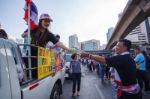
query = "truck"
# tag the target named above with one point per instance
(47, 86)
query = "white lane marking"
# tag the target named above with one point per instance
(100, 92)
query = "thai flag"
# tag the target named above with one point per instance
(33, 14)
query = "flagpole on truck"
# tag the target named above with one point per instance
(29, 37)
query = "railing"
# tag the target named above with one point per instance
(44, 59)
(28, 68)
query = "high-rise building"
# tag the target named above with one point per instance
(109, 33)
(90, 45)
(140, 34)
(103, 46)
(147, 23)
(80, 45)
(73, 41)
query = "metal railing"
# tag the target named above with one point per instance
(28, 69)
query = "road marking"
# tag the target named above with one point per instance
(100, 92)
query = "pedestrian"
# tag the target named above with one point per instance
(128, 88)
(97, 68)
(147, 61)
(40, 36)
(107, 73)
(3, 34)
(141, 69)
(90, 65)
(76, 74)
(102, 72)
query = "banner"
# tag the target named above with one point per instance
(46, 62)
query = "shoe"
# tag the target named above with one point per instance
(78, 94)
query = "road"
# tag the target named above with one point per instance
(91, 88)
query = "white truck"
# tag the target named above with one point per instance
(49, 87)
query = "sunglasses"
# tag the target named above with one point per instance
(47, 20)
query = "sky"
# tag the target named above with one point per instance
(89, 19)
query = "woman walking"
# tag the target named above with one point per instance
(76, 74)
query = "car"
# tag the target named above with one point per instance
(68, 74)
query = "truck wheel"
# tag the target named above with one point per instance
(55, 92)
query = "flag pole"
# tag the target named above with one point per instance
(29, 39)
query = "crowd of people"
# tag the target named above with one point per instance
(126, 73)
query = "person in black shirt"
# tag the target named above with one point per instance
(128, 87)
(40, 36)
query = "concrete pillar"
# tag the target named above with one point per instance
(147, 23)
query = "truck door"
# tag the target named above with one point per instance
(5, 87)
(13, 62)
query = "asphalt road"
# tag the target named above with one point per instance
(91, 88)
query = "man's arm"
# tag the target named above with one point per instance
(94, 57)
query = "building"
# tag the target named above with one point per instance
(109, 33)
(90, 45)
(80, 45)
(140, 35)
(102, 47)
(73, 41)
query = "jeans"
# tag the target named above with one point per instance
(76, 81)
(101, 71)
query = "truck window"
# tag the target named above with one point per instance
(4, 74)
(12, 51)
(14, 55)
(2, 53)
